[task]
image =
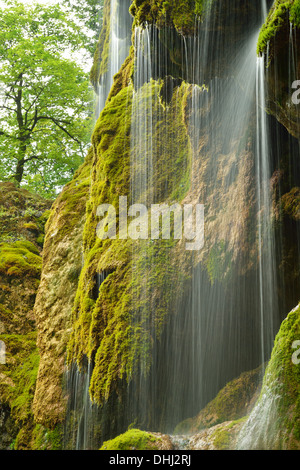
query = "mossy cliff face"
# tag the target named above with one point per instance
(100, 63)
(181, 14)
(111, 319)
(62, 263)
(274, 422)
(23, 218)
(124, 301)
(179, 21)
(108, 302)
(279, 42)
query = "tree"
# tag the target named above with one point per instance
(90, 15)
(45, 97)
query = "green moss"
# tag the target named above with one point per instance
(232, 403)
(295, 13)
(282, 378)
(21, 367)
(47, 439)
(281, 12)
(223, 438)
(290, 204)
(134, 439)
(201, 6)
(69, 206)
(42, 220)
(19, 259)
(219, 262)
(20, 213)
(31, 226)
(112, 327)
(18, 382)
(178, 13)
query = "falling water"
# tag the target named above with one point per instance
(223, 313)
(267, 258)
(82, 429)
(209, 339)
(261, 431)
(119, 44)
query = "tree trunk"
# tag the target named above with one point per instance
(19, 171)
(21, 163)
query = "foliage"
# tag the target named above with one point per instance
(90, 15)
(295, 13)
(45, 96)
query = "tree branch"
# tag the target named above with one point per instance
(58, 122)
(32, 157)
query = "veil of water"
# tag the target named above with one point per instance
(222, 318)
(84, 420)
(210, 338)
(119, 44)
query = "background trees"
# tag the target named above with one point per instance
(46, 104)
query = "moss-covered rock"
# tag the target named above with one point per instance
(180, 14)
(280, 13)
(278, 41)
(135, 439)
(274, 423)
(219, 437)
(111, 321)
(62, 263)
(24, 217)
(232, 403)
(18, 383)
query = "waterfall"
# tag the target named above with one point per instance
(266, 242)
(199, 134)
(82, 429)
(261, 430)
(119, 44)
(209, 339)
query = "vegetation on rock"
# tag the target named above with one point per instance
(232, 403)
(280, 12)
(274, 421)
(134, 439)
(20, 270)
